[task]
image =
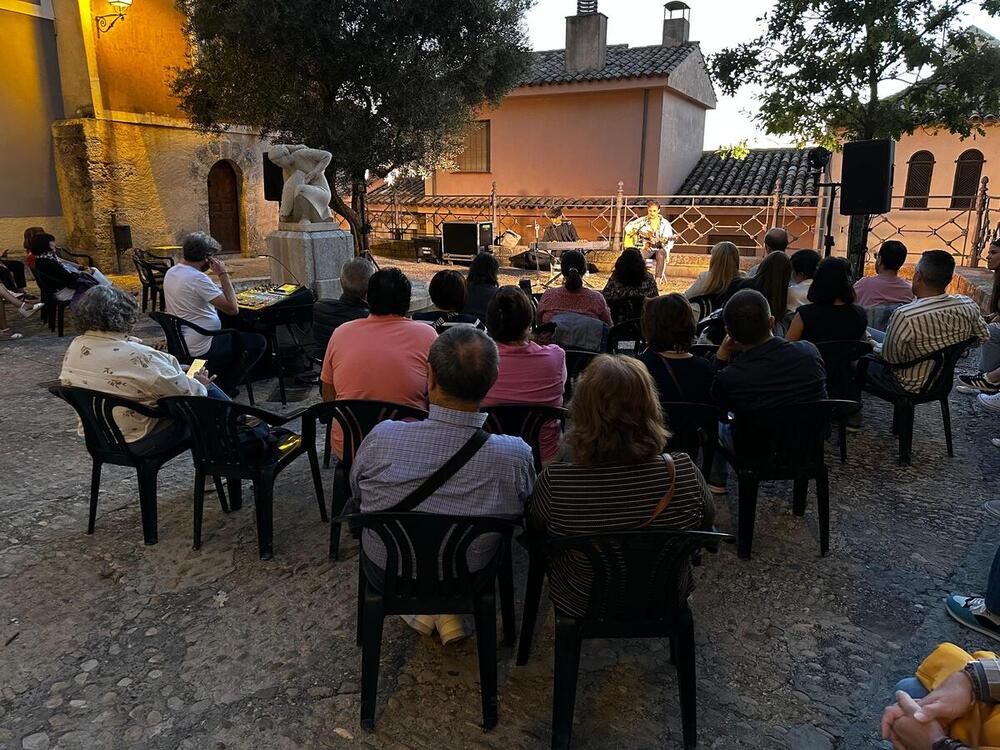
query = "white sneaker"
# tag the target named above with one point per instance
(28, 310)
(423, 624)
(991, 402)
(451, 628)
(995, 441)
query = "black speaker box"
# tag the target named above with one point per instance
(427, 247)
(866, 177)
(274, 180)
(464, 240)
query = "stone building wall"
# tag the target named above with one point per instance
(153, 178)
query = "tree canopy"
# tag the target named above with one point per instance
(837, 70)
(379, 83)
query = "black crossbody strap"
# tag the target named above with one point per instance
(451, 467)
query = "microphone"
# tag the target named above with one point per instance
(282, 264)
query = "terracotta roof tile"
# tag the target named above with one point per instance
(622, 62)
(757, 175)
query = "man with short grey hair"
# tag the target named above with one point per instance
(398, 457)
(329, 314)
(776, 240)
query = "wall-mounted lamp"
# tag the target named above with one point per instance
(120, 7)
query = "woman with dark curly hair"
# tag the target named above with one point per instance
(630, 278)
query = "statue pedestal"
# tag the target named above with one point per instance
(313, 254)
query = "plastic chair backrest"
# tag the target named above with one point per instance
(523, 420)
(576, 362)
(689, 425)
(626, 338)
(639, 577)
(142, 269)
(173, 330)
(705, 304)
(838, 359)
(941, 378)
(878, 315)
(358, 417)
(427, 553)
(626, 309)
(102, 435)
(215, 430)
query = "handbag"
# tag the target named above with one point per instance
(661, 506)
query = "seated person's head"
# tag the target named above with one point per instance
(615, 414)
(106, 308)
(933, 273)
(891, 256)
(447, 290)
(748, 318)
(198, 247)
(354, 277)
(42, 244)
(668, 323)
(509, 315)
(555, 215)
(772, 280)
(804, 264)
(389, 292)
(776, 240)
(483, 270)
(630, 268)
(463, 364)
(29, 233)
(832, 283)
(574, 266)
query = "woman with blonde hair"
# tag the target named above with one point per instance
(619, 478)
(723, 270)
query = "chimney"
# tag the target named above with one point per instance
(586, 38)
(676, 23)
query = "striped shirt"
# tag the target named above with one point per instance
(571, 499)
(929, 325)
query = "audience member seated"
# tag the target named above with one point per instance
(27, 309)
(67, 280)
(630, 279)
(382, 357)
(668, 328)
(934, 321)
(329, 314)
(106, 358)
(949, 705)
(447, 290)
(987, 380)
(772, 280)
(886, 287)
(398, 457)
(831, 314)
(573, 297)
(481, 284)
(757, 370)
(29, 235)
(191, 295)
(723, 271)
(804, 264)
(618, 478)
(12, 276)
(529, 373)
(776, 240)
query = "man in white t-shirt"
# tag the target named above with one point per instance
(194, 297)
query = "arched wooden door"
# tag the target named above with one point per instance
(224, 206)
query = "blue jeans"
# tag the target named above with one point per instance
(989, 354)
(877, 335)
(993, 586)
(167, 433)
(719, 474)
(229, 369)
(912, 686)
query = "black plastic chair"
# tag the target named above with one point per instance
(427, 573)
(173, 329)
(576, 362)
(356, 419)
(151, 270)
(639, 591)
(525, 421)
(937, 387)
(705, 351)
(623, 310)
(694, 429)
(77, 258)
(106, 445)
(705, 305)
(782, 443)
(626, 338)
(54, 312)
(215, 426)
(840, 360)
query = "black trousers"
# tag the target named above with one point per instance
(12, 274)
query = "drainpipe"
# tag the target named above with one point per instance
(642, 145)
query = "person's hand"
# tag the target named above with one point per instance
(217, 266)
(951, 699)
(203, 377)
(726, 349)
(889, 716)
(907, 733)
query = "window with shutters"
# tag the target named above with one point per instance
(968, 170)
(475, 157)
(918, 180)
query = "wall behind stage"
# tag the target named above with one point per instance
(30, 102)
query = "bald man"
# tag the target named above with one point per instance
(775, 241)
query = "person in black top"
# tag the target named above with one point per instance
(448, 293)
(831, 314)
(669, 330)
(481, 283)
(560, 229)
(329, 314)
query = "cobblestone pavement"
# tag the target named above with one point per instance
(106, 643)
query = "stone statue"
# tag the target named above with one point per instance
(306, 195)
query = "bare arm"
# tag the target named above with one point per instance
(795, 329)
(225, 302)
(328, 390)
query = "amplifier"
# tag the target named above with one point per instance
(464, 240)
(427, 248)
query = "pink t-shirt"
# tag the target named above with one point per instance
(583, 301)
(532, 374)
(883, 290)
(382, 358)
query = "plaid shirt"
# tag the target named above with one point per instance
(396, 458)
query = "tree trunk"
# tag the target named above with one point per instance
(359, 196)
(857, 243)
(350, 215)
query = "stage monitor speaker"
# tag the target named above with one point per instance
(427, 248)
(866, 177)
(464, 240)
(274, 180)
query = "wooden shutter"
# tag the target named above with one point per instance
(968, 170)
(918, 180)
(475, 157)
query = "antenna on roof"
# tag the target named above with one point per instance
(585, 7)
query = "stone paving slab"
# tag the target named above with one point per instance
(107, 643)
